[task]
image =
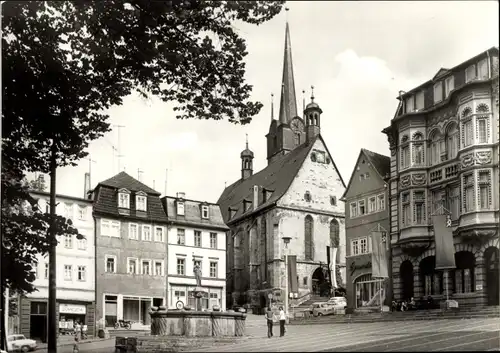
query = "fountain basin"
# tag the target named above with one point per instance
(197, 323)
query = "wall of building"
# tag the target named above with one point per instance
(190, 252)
(121, 282)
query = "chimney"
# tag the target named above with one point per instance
(255, 197)
(181, 195)
(86, 186)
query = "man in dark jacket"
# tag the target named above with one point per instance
(269, 318)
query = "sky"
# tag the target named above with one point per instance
(358, 55)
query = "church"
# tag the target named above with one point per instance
(295, 199)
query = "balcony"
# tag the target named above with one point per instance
(444, 173)
(415, 239)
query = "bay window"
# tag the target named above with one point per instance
(484, 189)
(452, 142)
(482, 130)
(405, 209)
(468, 187)
(467, 133)
(419, 207)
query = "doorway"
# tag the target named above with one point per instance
(406, 273)
(492, 283)
(38, 321)
(320, 285)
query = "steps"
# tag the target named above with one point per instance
(307, 304)
(435, 314)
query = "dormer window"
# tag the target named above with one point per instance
(232, 212)
(123, 198)
(266, 195)
(141, 202)
(180, 208)
(246, 205)
(205, 212)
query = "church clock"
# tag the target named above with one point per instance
(297, 125)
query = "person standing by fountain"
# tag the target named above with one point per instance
(282, 321)
(270, 317)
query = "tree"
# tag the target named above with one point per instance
(64, 63)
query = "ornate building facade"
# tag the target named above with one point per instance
(444, 142)
(297, 195)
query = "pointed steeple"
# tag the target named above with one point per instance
(288, 104)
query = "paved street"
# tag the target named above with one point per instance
(442, 335)
(439, 335)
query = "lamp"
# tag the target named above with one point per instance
(286, 241)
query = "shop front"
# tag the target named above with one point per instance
(183, 295)
(362, 289)
(33, 314)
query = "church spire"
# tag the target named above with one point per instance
(288, 104)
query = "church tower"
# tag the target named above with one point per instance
(246, 162)
(312, 114)
(281, 137)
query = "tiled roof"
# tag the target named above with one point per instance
(381, 163)
(192, 213)
(106, 199)
(276, 177)
(123, 180)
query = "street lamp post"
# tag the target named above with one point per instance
(286, 240)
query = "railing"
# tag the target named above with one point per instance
(443, 173)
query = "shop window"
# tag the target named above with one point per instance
(432, 280)
(367, 291)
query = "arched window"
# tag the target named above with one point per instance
(452, 135)
(335, 238)
(436, 147)
(308, 237)
(432, 280)
(464, 278)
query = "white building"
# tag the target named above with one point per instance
(75, 277)
(196, 236)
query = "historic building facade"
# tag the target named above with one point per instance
(297, 195)
(75, 261)
(366, 211)
(444, 142)
(196, 236)
(131, 250)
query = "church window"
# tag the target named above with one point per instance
(313, 157)
(333, 200)
(320, 156)
(334, 234)
(307, 196)
(308, 237)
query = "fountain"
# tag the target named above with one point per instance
(173, 330)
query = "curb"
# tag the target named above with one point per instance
(70, 343)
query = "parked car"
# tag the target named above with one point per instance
(338, 302)
(320, 309)
(19, 343)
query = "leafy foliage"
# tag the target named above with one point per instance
(64, 63)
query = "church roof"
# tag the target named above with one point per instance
(276, 177)
(288, 103)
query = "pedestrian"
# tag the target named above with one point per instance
(270, 318)
(282, 321)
